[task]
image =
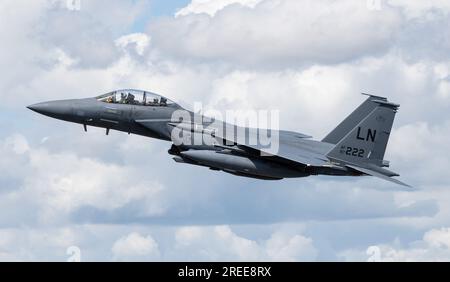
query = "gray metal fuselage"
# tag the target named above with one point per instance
(155, 122)
(120, 117)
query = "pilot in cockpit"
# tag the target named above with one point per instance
(130, 99)
(109, 100)
(122, 98)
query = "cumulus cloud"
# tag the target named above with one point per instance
(279, 33)
(44, 244)
(221, 243)
(135, 246)
(88, 34)
(419, 9)
(192, 243)
(282, 247)
(421, 146)
(434, 246)
(139, 40)
(309, 59)
(302, 32)
(212, 7)
(55, 185)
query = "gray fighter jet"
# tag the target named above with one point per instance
(356, 147)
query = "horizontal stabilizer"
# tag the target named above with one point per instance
(377, 174)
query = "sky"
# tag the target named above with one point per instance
(122, 198)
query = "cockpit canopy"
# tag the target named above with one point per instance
(135, 97)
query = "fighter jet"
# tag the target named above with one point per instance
(356, 147)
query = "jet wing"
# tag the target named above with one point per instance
(296, 154)
(377, 174)
(289, 146)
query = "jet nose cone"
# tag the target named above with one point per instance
(39, 108)
(55, 109)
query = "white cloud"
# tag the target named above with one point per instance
(434, 246)
(17, 143)
(135, 246)
(140, 40)
(43, 244)
(282, 247)
(279, 33)
(221, 243)
(43, 36)
(59, 184)
(420, 146)
(211, 7)
(420, 9)
(117, 243)
(88, 34)
(307, 58)
(438, 238)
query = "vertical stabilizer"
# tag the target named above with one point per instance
(366, 142)
(353, 119)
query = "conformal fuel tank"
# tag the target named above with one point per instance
(240, 164)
